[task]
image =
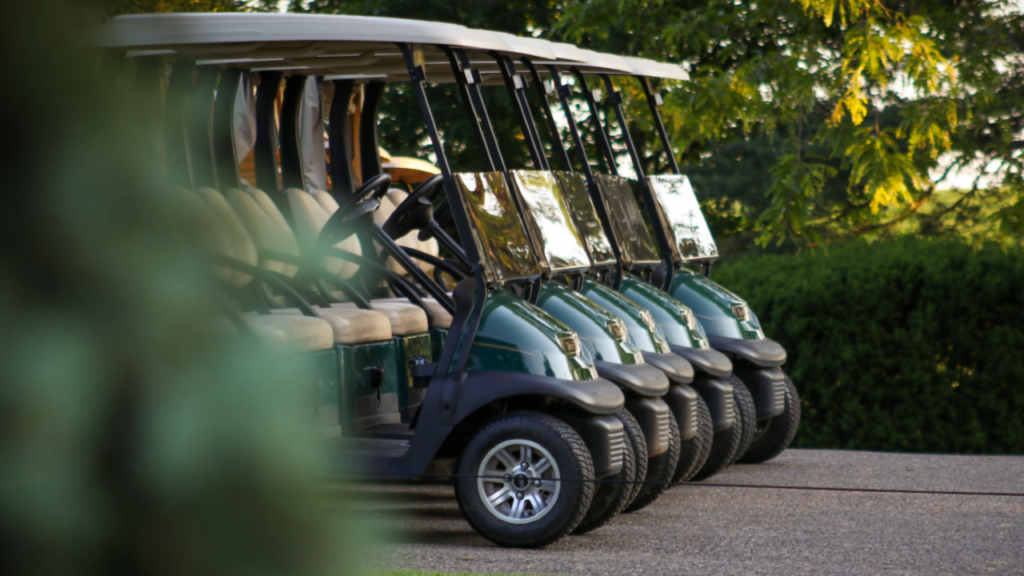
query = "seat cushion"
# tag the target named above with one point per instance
(405, 318)
(291, 334)
(349, 325)
(310, 218)
(439, 317)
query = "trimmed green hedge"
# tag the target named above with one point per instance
(906, 345)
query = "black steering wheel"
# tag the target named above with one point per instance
(417, 211)
(365, 200)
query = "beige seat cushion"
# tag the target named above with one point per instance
(265, 231)
(405, 318)
(242, 246)
(310, 218)
(350, 325)
(439, 317)
(291, 334)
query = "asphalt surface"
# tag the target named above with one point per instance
(696, 529)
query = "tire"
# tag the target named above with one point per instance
(775, 434)
(746, 415)
(635, 437)
(724, 445)
(612, 494)
(659, 471)
(694, 452)
(550, 508)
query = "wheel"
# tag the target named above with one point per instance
(615, 492)
(635, 438)
(525, 479)
(694, 452)
(659, 471)
(773, 435)
(724, 445)
(746, 416)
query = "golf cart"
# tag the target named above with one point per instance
(732, 328)
(512, 401)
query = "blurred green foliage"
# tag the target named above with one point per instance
(904, 345)
(132, 440)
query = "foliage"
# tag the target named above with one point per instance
(907, 345)
(132, 440)
(893, 92)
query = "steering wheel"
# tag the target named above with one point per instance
(416, 212)
(365, 200)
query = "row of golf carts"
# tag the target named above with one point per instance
(545, 337)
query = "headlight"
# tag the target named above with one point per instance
(648, 320)
(618, 330)
(688, 318)
(571, 345)
(741, 311)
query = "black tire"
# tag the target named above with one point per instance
(723, 447)
(746, 416)
(694, 452)
(571, 496)
(613, 493)
(659, 471)
(635, 437)
(775, 434)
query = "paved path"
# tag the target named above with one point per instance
(712, 530)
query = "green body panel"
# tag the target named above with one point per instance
(362, 405)
(669, 313)
(516, 336)
(415, 349)
(629, 312)
(713, 305)
(438, 336)
(590, 321)
(320, 370)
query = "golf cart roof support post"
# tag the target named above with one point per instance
(484, 118)
(179, 172)
(291, 157)
(340, 141)
(514, 85)
(595, 195)
(659, 124)
(595, 118)
(531, 125)
(225, 159)
(556, 136)
(265, 148)
(147, 98)
(462, 80)
(660, 234)
(369, 137)
(198, 130)
(456, 334)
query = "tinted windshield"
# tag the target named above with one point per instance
(574, 189)
(559, 245)
(497, 230)
(628, 226)
(688, 230)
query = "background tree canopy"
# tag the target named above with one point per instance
(806, 121)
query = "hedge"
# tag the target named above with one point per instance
(902, 345)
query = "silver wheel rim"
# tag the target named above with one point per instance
(517, 481)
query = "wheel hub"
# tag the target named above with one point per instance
(518, 481)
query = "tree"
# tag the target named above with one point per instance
(884, 98)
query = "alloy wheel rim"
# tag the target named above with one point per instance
(517, 481)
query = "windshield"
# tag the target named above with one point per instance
(574, 189)
(497, 230)
(557, 242)
(688, 230)
(628, 226)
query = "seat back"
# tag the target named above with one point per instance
(241, 246)
(266, 232)
(310, 216)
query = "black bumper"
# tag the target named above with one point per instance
(710, 362)
(641, 379)
(764, 353)
(678, 370)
